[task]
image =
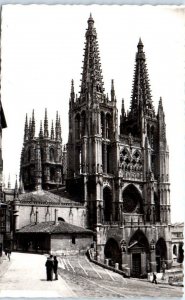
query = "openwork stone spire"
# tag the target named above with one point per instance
(141, 98)
(16, 191)
(46, 132)
(33, 125)
(26, 129)
(161, 118)
(41, 130)
(52, 131)
(92, 73)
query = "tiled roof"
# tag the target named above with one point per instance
(64, 194)
(45, 197)
(50, 227)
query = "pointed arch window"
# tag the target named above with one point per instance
(152, 137)
(52, 174)
(157, 207)
(80, 161)
(108, 119)
(107, 202)
(83, 122)
(77, 126)
(51, 154)
(29, 155)
(102, 124)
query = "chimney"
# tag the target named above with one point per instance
(56, 216)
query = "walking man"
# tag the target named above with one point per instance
(49, 268)
(8, 254)
(154, 278)
(55, 267)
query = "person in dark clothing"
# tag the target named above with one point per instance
(55, 267)
(154, 278)
(49, 268)
(9, 254)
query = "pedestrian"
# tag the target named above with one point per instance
(55, 267)
(8, 254)
(154, 278)
(49, 268)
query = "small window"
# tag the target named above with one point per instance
(73, 240)
(61, 219)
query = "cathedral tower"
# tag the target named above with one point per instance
(93, 132)
(148, 128)
(42, 156)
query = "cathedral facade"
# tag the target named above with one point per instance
(112, 179)
(121, 174)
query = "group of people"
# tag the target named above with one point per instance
(51, 267)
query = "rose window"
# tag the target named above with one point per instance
(129, 204)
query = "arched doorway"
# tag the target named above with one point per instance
(161, 254)
(113, 251)
(107, 202)
(139, 250)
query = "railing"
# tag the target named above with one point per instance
(125, 272)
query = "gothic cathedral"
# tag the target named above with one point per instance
(122, 175)
(119, 173)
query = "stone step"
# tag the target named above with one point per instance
(177, 266)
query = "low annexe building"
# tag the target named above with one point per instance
(54, 237)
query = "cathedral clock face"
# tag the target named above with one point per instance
(129, 204)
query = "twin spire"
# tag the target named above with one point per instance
(92, 79)
(29, 129)
(141, 98)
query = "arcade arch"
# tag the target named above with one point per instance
(112, 251)
(139, 249)
(161, 253)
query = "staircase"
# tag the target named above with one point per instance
(175, 274)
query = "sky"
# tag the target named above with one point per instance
(42, 51)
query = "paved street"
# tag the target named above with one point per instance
(90, 280)
(26, 277)
(78, 278)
